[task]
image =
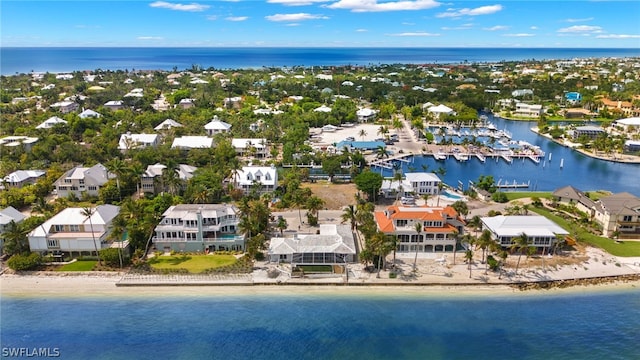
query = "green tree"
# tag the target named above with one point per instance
(15, 238)
(282, 225)
(88, 213)
(461, 207)
(369, 182)
(521, 245)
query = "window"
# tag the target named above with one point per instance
(401, 222)
(627, 218)
(58, 228)
(75, 228)
(93, 188)
(53, 243)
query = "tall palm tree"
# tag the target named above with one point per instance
(88, 213)
(315, 204)
(520, 244)
(362, 134)
(349, 215)
(418, 228)
(468, 255)
(484, 242)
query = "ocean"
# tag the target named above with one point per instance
(330, 325)
(55, 60)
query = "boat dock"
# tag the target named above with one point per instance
(387, 163)
(513, 185)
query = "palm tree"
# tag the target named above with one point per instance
(520, 244)
(484, 242)
(468, 255)
(282, 224)
(362, 134)
(381, 152)
(418, 228)
(88, 213)
(15, 238)
(349, 215)
(315, 204)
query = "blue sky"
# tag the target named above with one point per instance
(321, 23)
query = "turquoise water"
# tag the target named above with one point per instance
(451, 196)
(602, 325)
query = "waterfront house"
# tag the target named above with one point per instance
(131, 141)
(619, 215)
(216, 126)
(528, 110)
(73, 232)
(441, 110)
(251, 147)
(65, 107)
(424, 183)
(542, 233)
(262, 179)
(20, 178)
(333, 245)
(192, 142)
(199, 228)
(82, 179)
(589, 131)
(630, 125)
(439, 227)
(51, 122)
(571, 196)
(632, 146)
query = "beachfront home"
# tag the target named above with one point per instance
(542, 233)
(72, 232)
(20, 178)
(251, 147)
(333, 245)
(151, 180)
(216, 126)
(573, 197)
(619, 215)
(199, 227)
(439, 227)
(82, 179)
(51, 122)
(261, 179)
(192, 142)
(131, 141)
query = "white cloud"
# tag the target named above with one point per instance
(293, 24)
(414, 34)
(618, 36)
(534, 28)
(179, 7)
(295, 17)
(362, 30)
(296, 2)
(496, 28)
(150, 38)
(375, 6)
(519, 35)
(236, 18)
(482, 10)
(581, 29)
(579, 20)
(212, 17)
(462, 27)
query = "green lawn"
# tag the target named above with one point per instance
(625, 248)
(82, 265)
(192, 263)
(513, 195)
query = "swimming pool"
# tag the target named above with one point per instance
(453, 196)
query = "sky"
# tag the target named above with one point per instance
(321, 23)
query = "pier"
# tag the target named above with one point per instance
(513, 185)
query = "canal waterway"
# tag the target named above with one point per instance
(580, 171)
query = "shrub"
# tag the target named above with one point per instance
(392, 275)
(111, 257)
(499, 197)
(21, 262)
(493, 263)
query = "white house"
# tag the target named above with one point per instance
(528, 110)
(216, 126)
(88, 113)
(199, 227)
(440, 110)
(541, 232)
(15, 141)
(619, 214)
(114, 105)
(167, 124)
(20, 178)
(150, 180)
(65, 106)
(263, 178)
(424, 183)
(130, 141)
(51, 122)
(192, 142)
(250, 147)
(83, 179)
(71, 231)
(366, 114)
(333, 245)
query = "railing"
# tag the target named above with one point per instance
(206, 240)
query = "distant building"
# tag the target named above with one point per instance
(528, 110)
(262, 178)
(192, 142)
(20, 178)
(589, 131)
(632, 146)
(130, 141)
(573, 97)
(424, 183)
(51, 122)
(217, 126)
(114, 105)
(366, 115)
(167, 124)
(65, 107)
(522, 93)
(15, 141)
(256, 147)
(89, 114)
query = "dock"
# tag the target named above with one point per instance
(513, 185)
(507, 158)
(460, 157)
(481, 157)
